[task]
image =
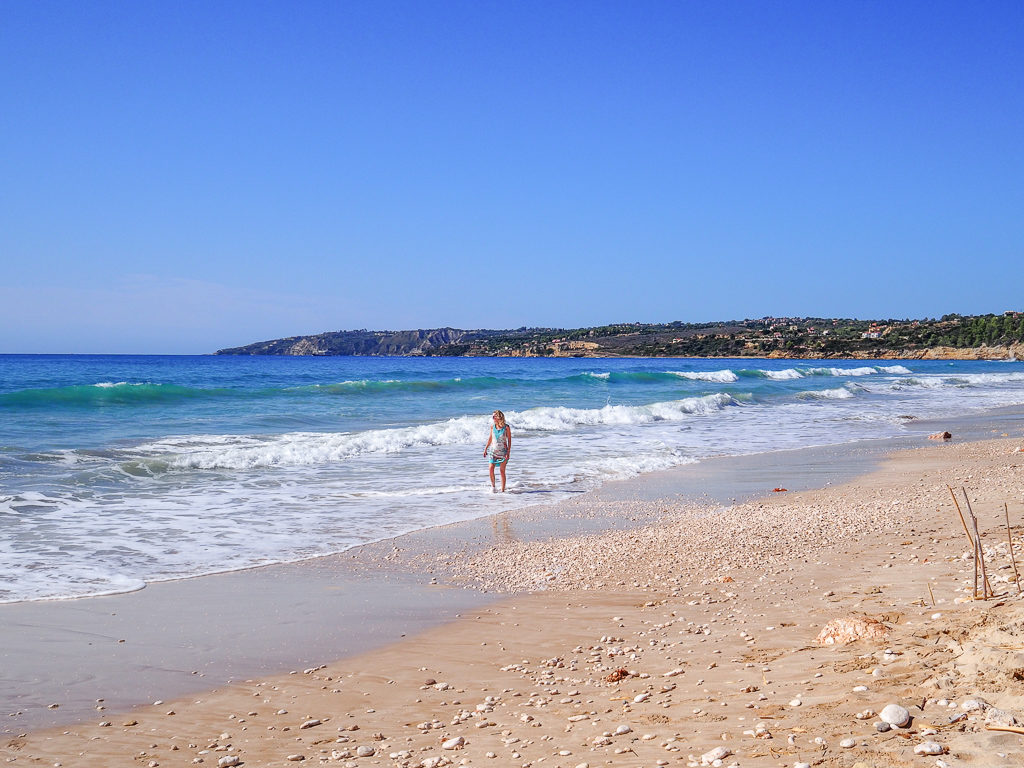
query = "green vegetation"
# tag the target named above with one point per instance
(811, 337)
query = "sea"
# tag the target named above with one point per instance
(120, 471)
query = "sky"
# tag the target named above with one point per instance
(178, 177)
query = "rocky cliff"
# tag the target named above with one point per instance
(417, 342)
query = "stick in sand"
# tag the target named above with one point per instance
(962, 521)
(974, 594)
(978, 548)
(930, 593)
(1009, 537)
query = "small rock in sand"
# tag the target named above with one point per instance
(456, 743)
(365, 751)
(846, 630)
(974, 704)
(718, 753)
(1001, 717)
(228, 760)
(894, 714)
(929, 748)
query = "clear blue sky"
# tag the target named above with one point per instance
(183, 176)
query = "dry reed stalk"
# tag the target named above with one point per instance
(974, 594)
(930, 593)
(979, 550)
(1009, 537)
(1007, 728)
(962, 521)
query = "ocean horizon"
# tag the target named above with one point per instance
(121, 470)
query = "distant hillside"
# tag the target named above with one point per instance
(952, 336)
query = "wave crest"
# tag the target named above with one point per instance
(308, 448)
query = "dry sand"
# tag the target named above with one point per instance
(659, 645)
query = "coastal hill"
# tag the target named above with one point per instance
(949, 337)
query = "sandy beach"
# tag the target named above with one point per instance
(687, 638)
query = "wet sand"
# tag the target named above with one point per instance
(688, 628)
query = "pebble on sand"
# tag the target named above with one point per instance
(929, 748)
(894, 714)
(718, 753)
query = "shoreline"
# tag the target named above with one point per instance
(694, 619)
(207, 641)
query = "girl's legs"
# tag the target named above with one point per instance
(502, 475)
(492, 475)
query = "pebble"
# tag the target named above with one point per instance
(848, 743)
(882, 726)
(310, 723)
(228, 760)
(976, 704)
(623, 729)
(718, 753)
(795, 703)
(894, 714)
(929, 748)
(1001, 717)
(455, 743)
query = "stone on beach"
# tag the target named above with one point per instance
(849, 629)
(718, 753)
(894, 714)
(929, 748)
(995, 716)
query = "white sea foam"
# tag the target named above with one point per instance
(783, 375)
(894, 369)
(630, 466)
(985, 379)
(839, 393)
(308, 448)
(861, 371)
(924, 382)
(602, 376)
(724, 376)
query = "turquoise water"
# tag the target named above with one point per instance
(116, 471)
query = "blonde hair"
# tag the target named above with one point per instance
(501, 419)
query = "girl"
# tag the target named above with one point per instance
(501, 438)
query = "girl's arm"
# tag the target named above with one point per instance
(490, 437)
(508, 440)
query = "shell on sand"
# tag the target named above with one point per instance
(850, 628)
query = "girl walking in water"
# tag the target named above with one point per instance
(500, 438)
